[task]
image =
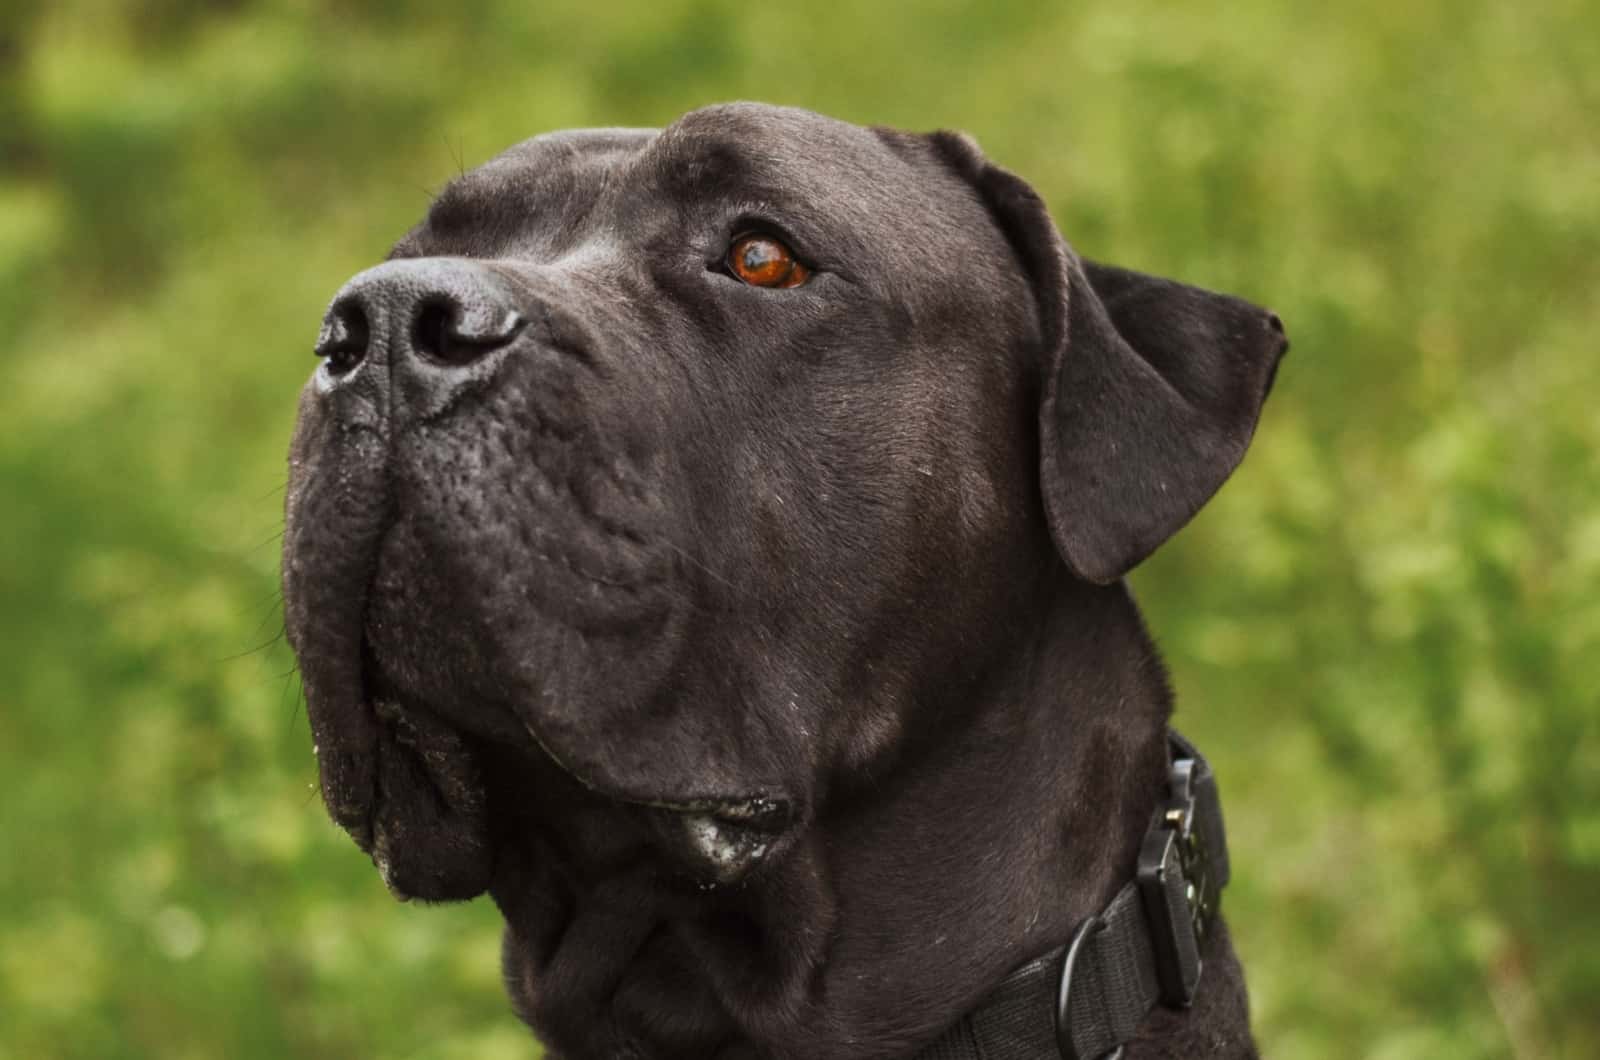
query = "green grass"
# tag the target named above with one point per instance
(1386, 630)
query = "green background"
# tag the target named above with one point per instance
(1385, 630)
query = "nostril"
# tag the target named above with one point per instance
(446, 333)
(344, 337)
(431, 334)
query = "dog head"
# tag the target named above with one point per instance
(697, 462)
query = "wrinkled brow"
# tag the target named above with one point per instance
(693, 167)
(542, 193)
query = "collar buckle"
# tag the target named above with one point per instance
(1178, 876)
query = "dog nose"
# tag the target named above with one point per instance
(425, 313)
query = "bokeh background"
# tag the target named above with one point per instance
(1386, 630)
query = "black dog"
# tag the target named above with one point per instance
(709, 542)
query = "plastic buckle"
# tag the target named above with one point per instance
(1069, 964)
(1178, 887)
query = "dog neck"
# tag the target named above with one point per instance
(982, 845)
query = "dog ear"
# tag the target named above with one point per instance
(1150, 389)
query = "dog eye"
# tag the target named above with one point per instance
(762, 261)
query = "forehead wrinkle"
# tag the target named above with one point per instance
(754, 150)
(542, 189)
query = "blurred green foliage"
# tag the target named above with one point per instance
(1385, 630)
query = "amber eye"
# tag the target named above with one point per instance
(762, 261)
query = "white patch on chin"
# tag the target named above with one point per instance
(728, 849)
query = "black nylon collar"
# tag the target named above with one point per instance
(1085, 1000)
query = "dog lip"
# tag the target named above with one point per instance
(756, 813)
(726, 839)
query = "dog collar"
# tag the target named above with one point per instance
(1085, 1000)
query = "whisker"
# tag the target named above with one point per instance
(274, 606)
(263, 646)
(274, 491)
(276, 535)
(457, 154)
(298, 693)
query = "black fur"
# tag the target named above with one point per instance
(762, 653)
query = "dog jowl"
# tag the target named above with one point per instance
(709, 542)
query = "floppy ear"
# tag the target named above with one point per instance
(1150, 389)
